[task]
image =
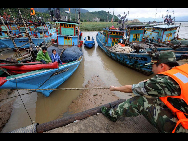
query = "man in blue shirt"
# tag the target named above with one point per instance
(55, 57)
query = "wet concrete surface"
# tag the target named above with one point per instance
(100, 124)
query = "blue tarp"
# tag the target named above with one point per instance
(71, 54)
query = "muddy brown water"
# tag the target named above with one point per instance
(95, 63)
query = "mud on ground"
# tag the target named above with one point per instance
(5, 107)
(93, 97)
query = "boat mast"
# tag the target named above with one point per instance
(26, 29)
(30, 40)
(78, 24)
(79, 16)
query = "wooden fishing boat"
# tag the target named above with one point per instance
(39, 33)
(45, 76)
(68, 33)
(164, 39)
(40, 79)
(108, 42)
(89, 42)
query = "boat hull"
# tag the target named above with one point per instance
(23, 42)
(135, 61)
(17, 69)
(89, 44)
(41, 79)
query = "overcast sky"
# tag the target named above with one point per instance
(145, 12)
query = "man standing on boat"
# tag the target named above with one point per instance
(166, 109)
(43, 56)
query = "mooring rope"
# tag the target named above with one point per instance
(68, 89)
(53, 89)
(24, 104)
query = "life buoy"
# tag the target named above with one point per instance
(32, 11)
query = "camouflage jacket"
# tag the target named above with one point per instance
(161, 85)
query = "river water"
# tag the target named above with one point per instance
(95, 63)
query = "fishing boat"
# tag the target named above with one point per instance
(161, 33)
(164, 39)
(40, 79)
(109, 42)
(89, 42)
(39, 32)
(45, 78)
(68, 33)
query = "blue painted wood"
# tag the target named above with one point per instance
(89, 43)
(41, 31)
(42, 79)
(133, 60)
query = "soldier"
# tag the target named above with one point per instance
(161, 112)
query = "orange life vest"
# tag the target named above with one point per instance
(180, 75)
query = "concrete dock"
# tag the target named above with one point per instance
(100, 124)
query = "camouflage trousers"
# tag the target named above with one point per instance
(152, 109)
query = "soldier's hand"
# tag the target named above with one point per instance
(112, 88)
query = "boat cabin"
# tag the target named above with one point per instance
(162, 33)
(11, 27)
(67, 33)
(3, 31)
(38, 30)
(135, 32)
(112, 36)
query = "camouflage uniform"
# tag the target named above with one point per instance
(153, 109)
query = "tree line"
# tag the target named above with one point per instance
(10, 13)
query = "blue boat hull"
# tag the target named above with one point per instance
(42, 79)
(89, 44)
(135, 61)
(24, 40)
(2, 45)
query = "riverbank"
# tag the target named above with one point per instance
(5, 107)
(98, 26)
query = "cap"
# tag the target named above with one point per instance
(163, 57)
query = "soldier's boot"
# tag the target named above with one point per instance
(109, 113)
